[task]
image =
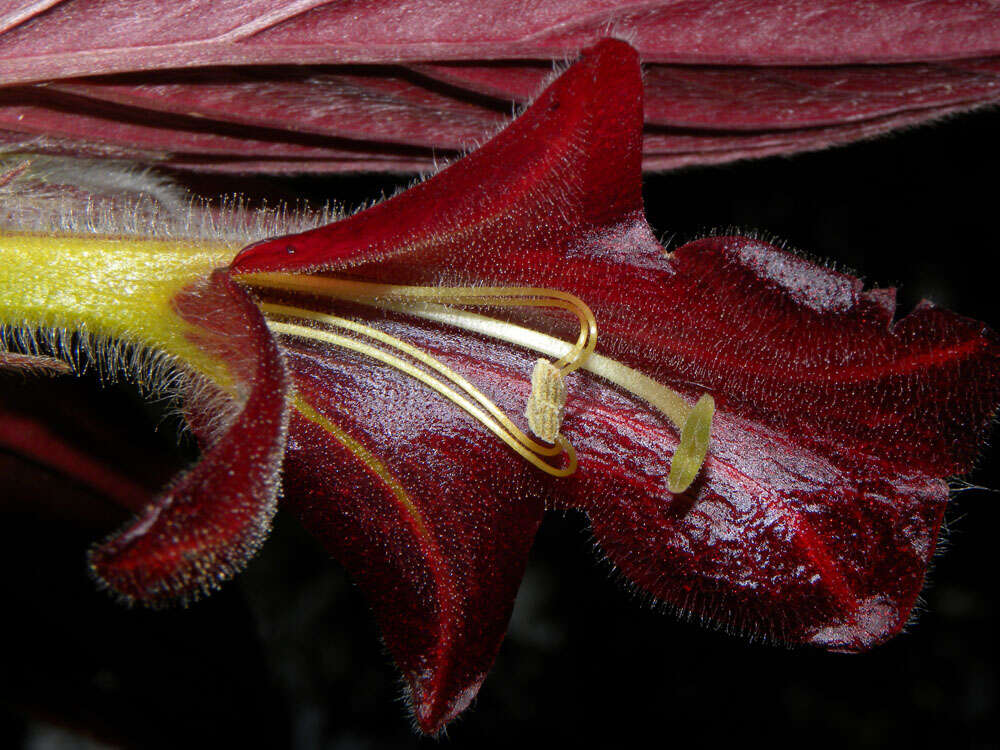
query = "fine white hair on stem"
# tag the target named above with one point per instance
(158, 375)
(86, 196)
(71, 196)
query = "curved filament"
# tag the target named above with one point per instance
(475, 403)
(391, 295)
(438, 303)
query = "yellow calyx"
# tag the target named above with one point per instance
(113, 288)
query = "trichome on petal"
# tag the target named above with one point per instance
(796, 492)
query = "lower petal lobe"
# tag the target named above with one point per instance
(431, 514)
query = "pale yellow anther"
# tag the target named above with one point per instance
(690, 454)
(546, 404)
(547, 401)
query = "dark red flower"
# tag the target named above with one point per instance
(812, 519)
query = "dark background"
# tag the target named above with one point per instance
(288, 656)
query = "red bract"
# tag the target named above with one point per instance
(394, 86)
(213, 518)
(815, 513)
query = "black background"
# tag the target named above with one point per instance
(289, 656)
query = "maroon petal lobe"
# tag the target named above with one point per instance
(569, 165)
(203, 528)
(432, 518)
(819, 505)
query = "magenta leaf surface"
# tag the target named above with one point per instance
(57, 38)
(396, 86)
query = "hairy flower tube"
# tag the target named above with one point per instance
(753, 437)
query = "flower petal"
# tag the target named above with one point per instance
(820, 503)
(431, 515)
(569, 165)
(207, 524)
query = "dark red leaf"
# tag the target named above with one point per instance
(61, 38)
(746, 98)
(725, 81)
(370, 106)
(29, 112)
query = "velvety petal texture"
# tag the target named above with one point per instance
(433, 522)
(819, 505)
(569, 167)
(283, 87)
(208, 523)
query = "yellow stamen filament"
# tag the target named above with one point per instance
(545, 405)
(488, 413)
(666, 400)
(690, 454)
(385, 295)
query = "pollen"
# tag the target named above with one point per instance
(547, 401)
